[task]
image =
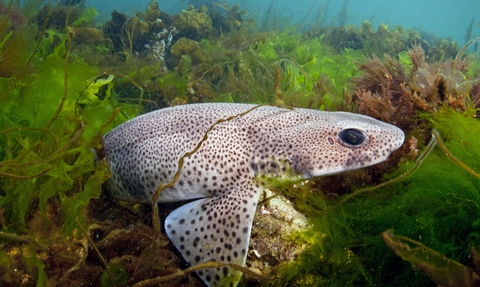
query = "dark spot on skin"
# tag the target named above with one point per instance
(195, 242)
(225, 270)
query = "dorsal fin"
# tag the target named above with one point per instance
(215, 229)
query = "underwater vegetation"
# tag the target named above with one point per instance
(65, 80)
(398, 89)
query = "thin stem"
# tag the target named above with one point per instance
(458, 162)
(8, 15)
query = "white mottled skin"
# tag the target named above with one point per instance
(144, 152)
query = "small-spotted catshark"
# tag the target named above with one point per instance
(222, 175)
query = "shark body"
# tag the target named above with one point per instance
(222, 175)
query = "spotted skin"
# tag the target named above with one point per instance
(223, 174)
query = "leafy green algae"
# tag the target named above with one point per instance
(52, 117)
(438, 206)
(314, 74)
(43, 142)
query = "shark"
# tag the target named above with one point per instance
(236, 145)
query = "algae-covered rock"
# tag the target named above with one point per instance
(366, 28)
(273, 234)
(134, 23)
(442, 50)
(86, 35)
(152, 13)
(191, 48)
(128, 34)
(193, 24)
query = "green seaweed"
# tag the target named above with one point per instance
(52, 118)
(5, 38)
(119, 275)
(86, 16)
(442, 270)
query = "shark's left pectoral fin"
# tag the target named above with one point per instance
(215, 229)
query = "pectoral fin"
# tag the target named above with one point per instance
(215, 229)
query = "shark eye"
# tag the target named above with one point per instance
(352, 137)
